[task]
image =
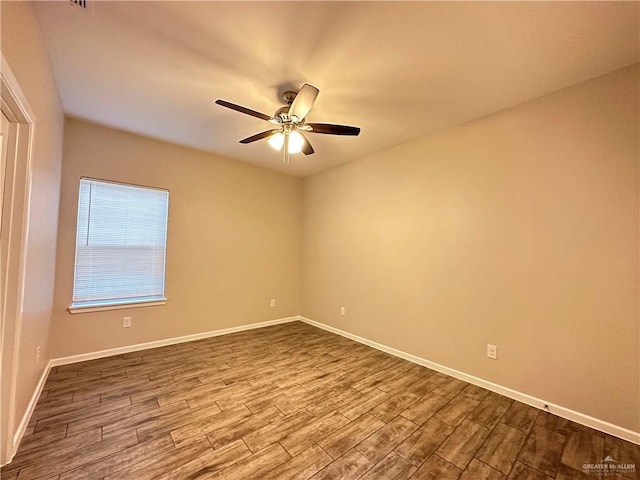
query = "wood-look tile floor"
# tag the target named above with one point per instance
(291, 402)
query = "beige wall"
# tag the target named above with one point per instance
(23, 48)
(518, 229)
(234, 240)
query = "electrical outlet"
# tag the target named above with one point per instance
(272, 302)
(492, 351)
(343, 311)
(126, 322)
(37, 353)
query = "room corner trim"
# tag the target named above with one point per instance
(167, 341)
(583, 419)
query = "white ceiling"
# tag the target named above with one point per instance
(398, 70)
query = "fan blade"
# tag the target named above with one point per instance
(245, 110)
(307, 149)
(331, 129)
(259, 136)
(303, 102)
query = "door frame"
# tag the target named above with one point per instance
(14, 235)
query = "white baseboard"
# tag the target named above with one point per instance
(22, 426)
(83, 357)
(559, 410)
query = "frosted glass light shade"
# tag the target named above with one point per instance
(276, 141)
(295, 142)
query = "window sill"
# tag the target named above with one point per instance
(114, 306)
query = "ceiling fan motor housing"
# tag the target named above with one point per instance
(282, 114)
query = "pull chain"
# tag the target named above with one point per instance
(285, 148)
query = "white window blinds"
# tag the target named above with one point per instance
(120, 244)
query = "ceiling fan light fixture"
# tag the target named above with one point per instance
(276, 140)
(295, 142)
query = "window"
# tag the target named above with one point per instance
(120, 245)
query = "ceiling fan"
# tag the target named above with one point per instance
(289, 133)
